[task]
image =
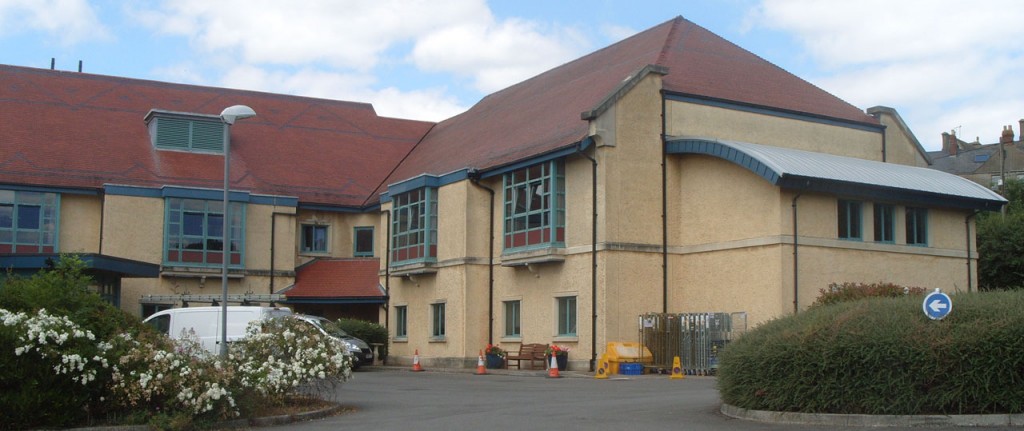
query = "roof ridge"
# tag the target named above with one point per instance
(665, 48)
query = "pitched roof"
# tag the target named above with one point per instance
(90, 130)
(827, 173)
(337, 279)
(543, 114)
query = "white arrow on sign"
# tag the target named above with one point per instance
(937, 305)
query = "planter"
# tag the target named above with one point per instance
(562, 360)
(494, 361)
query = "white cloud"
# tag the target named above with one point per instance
(427, 104)
(496, 54)
(67, 21)
(941, 63)
(615, 33)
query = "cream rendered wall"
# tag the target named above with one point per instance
(688, 119)
(133, 228)
(340, 232)
(899, 147)
(723, 202)
(80, 223)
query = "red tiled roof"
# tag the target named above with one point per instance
(542, 114)
(80, 130)
(337, 278)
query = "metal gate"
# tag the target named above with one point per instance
(696, 338)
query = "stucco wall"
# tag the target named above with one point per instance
(340, 233)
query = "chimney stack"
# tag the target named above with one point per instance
(1021, 122)
(1007, 135)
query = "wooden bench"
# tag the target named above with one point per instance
(527, 352)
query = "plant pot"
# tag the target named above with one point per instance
(562, 361)
(494, 361)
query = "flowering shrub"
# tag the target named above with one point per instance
(494, 350)
(556, 350)
(842, 292)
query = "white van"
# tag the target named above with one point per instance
(205, 321)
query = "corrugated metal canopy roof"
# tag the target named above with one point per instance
(846, 176)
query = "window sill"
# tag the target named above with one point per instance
(438, 340)
(400, 340)
(566, 339)
(416, 268)
(511, 339)
(199, 272)
(531, 257)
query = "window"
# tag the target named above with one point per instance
(314, 238)
(414, 226)
(849, 219)
(917, 226)
(437, 314)
(28, 222)
(363, 237)
(535, 206)
(401, 321)
(186, 132)
(512, 325)
(884, 223)
(194, 234)
(567, 316)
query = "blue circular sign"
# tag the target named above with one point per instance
(937, 305)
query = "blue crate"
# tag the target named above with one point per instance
(631, 369)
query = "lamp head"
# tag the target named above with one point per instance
(235, 113)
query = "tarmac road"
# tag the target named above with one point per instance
(397, 399)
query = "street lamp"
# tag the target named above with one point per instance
(229, 115)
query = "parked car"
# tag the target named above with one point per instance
(362, 352)
(206, 321)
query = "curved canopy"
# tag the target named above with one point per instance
(846, 176)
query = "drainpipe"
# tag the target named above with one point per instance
(796, 259)
(664, 213)
(884, 146)
(967, 238)
(593, 251)
(474, 177)
(387, 273)
(273, 230)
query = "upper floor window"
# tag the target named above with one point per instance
(917, 226)
(362, 241)
(194, 232)
(186, 132)
(884, 223)
(414, 226)
(314, 238)
(28, 221)
(849, 219)
(535, 206)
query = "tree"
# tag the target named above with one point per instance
(1001, 243)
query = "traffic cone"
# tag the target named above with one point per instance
(416, 361)
(602, 367)
(553, 368)
(480, 369)
(677, 369)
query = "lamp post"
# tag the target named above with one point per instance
(229, 115)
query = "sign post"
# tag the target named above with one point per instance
(937, 305)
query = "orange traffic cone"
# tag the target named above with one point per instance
(553, 368)
(416, 361)
(480, 369)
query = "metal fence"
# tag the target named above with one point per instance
(696, 338)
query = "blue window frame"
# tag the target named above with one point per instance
(362, 239)
(28, 221)
(513, 326)
(194, 233)
(414, 227)
(437, 315)
(314, 238)
(535, 206)
(917, 226)
(885, 223)
(401, 321)
(567, 316)
(849, 220)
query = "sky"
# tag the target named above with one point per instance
(944, 65)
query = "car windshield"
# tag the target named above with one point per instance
(331, 328)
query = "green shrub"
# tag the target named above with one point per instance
(883, 356)
(367, 331)
(841, 292)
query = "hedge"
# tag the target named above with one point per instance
(883, 356)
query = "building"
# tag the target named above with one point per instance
(670, 172)
(982, 163)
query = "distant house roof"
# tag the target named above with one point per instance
(91, 130)
(338, 281)
(845, 176)
(543, 114)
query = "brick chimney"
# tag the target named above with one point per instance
(1007, 135)
(1021, 122)
(949, 143)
